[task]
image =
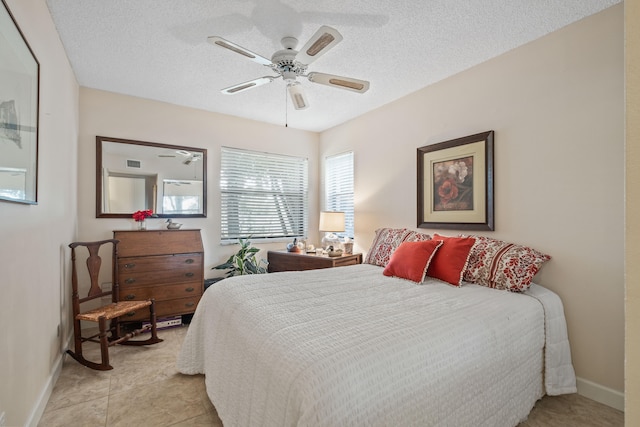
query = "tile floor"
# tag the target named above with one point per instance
(144, 389)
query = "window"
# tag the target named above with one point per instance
(339, 188)
(263, 195)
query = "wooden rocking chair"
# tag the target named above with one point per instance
(106, 315)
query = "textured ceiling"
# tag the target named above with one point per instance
(157, 49)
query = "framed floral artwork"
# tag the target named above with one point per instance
(455, 183)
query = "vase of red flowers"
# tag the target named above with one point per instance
(141, 216)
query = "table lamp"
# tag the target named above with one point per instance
(330, 223)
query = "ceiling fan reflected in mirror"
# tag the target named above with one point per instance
(187, 156)
(290, 64)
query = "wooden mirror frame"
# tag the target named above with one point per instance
(100, 213)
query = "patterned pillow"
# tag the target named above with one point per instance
(502, 265)
(385, 242)
(411, 260)
(416, 236)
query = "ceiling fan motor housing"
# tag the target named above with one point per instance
(285, 64)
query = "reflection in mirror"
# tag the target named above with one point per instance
(136, 175)
(19, 98)
(181, 196)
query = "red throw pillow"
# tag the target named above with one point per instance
(411, 260)
(449, 262)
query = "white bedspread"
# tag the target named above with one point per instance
(350, 347)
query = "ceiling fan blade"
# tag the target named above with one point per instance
(355, 85)
(323, 40)
(219, 41)
(231, 90)
(298, 97)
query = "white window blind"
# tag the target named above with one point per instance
(339, 188)
(263, 195)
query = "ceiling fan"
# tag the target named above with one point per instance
(290, 64)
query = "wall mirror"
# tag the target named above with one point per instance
(171, 180)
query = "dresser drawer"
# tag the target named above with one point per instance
(158, 278)
(346, 260)
(181, 273)
(158, 263)
(164, 308)
(160, 293)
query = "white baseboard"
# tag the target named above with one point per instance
(41, 404)
(600, 393)
(38, 410)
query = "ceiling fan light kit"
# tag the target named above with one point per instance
(290, 64)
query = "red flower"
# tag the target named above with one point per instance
(142, 215)
(448, 191)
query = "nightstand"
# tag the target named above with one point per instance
(291, 261)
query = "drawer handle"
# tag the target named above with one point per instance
(130, 297)
(189, 261)
(129, 281)
(130, 314)
(129, 265)
(190, 289)
(189, 274)
(189, 304)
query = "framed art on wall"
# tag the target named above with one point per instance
(19, 94)
(455, 183)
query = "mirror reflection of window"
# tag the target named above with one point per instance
(13, 183)
(182, 196)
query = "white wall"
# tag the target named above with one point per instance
(119, 116)
(33, 238)
(557, 108)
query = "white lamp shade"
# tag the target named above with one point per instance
(331, 221)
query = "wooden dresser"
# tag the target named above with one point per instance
(167, 265)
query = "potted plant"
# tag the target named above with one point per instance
(244, 261)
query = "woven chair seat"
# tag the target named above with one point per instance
(113, 310)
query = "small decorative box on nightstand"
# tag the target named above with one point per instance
(289, 261)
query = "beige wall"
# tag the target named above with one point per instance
(632, 56)
(119, 116)
(33, 238)
(557, 108)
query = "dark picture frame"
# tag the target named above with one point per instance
(19, 113)
(455, 184)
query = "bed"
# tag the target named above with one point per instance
(350, 346)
